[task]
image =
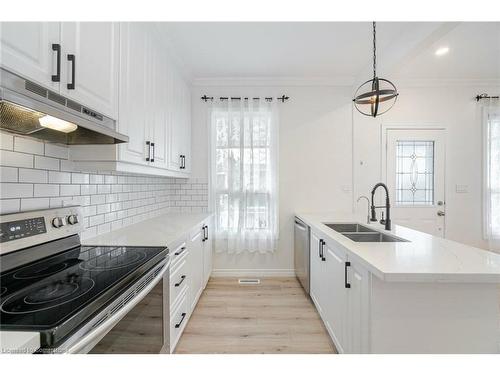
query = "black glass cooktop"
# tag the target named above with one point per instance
(56, 294)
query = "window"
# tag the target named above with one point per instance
(415, 173)
(244, 176)
(492, 176)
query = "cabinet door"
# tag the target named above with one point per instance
(158, 101)
(316, 273)
(207, 255)
(186, 128)
(134, 72)
(95, 46)
(176, 129)
(358, 309)
(196, 266)
(335, 294)
(26, 49)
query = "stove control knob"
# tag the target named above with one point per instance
(58, 222)
(72, 219)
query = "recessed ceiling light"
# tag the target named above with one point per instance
(442, 51)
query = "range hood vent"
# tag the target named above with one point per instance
(23, 103)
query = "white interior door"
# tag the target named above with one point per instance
(415, 174)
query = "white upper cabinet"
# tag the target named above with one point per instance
(134, 71)
(30, 50)
(91, 77)
(77, 60)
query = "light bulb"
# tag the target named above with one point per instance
(55, 123)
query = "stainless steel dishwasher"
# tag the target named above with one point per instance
(301, 247)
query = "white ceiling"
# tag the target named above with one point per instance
(335, 50)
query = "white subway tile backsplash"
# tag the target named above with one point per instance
(42, 162)
(28, 145)
(6, 141)
(34, 204)
(8, 206)
(56, 151)
(59, 177)
(8, 174)
(16, 159)
(33, 175)
(13, 190)
(30, 180)
(70, 190)
(46, 190)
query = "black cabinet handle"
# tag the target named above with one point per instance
(319, 248)
(180, 251)
(323, 250)
(57, 76)
(183, 161)
(153, 147)
(347, 284)
(149, 150)
(206, 235)
(183, 277)
(72, 59)
(180, 322)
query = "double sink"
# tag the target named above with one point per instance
(359, 233)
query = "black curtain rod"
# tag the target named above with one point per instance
(486, 96)
(282, 98)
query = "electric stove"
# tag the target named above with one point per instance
(55, 287)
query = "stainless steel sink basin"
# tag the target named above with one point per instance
(373, 237)
(360, 233)
(349, 228)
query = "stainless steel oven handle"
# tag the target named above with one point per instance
(113, 320)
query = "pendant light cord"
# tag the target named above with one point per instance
(374, 50)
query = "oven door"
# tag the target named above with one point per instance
(140, 326)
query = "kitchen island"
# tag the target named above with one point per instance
(423, 295)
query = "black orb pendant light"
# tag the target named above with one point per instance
(378, 95)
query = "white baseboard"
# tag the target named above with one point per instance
(253, 273)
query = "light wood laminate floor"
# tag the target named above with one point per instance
(273, 317)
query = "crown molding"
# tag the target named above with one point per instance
(446, 82)
(273, 81)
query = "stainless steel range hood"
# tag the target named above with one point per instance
(29, 109)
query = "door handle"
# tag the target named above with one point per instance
(72, 59)
(149, 150)
(180, 322)
(153, 147)
(57, 76)
(441, 213)
(183, 277)
(346, 283)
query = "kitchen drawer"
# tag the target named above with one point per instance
(180, 250)
(179, 279)
(178, 319)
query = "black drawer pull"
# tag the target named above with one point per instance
(153, 147)
(183, 277)
(347, 284)
(180, 251)
(323, 251)
(180, 322)
(57, 76)
(71, 86)
(149, 150)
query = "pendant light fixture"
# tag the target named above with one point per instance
(378, 95)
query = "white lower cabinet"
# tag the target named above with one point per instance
(340, 291)
(190, 269)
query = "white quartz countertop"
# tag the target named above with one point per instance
(159, 231)
(14, 342)
(425, 258)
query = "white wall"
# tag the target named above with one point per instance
(315, 162)
(322, 143)
(454, 108)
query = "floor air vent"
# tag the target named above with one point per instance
(248, 281)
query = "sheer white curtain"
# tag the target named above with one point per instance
(244, 175)
(491, 185)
